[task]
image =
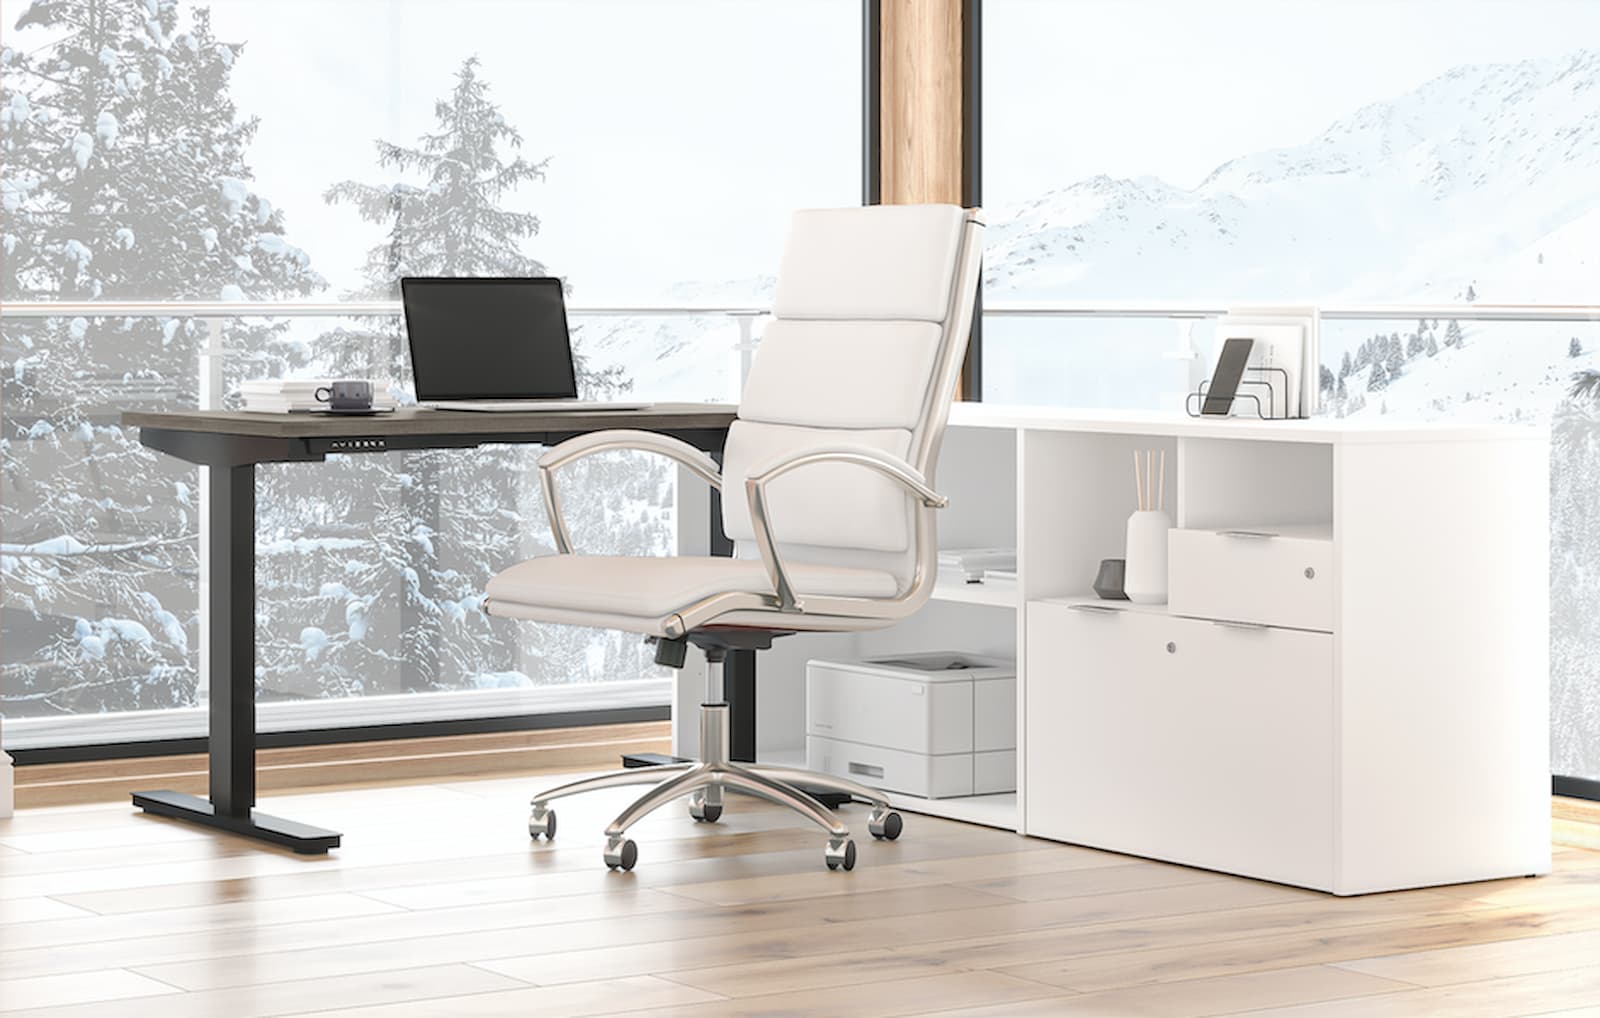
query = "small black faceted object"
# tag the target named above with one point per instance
(1108, 582)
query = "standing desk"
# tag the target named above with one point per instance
(233, 443)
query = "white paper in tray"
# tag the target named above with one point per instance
(1280, 343)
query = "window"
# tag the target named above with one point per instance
(1423, 170)
(270, 152)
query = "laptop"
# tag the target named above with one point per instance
(493, 345)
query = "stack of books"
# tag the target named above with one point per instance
(978, 565)
(294, 395)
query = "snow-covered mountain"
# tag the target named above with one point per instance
(1483, 183)
(1501, 372)
(1466, 178)
(677, 358)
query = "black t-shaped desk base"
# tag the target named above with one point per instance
(230, 444)
(303, 838)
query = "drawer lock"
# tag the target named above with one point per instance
(1311, 573)
(1172, 648)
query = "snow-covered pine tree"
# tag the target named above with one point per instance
(1394, 361)
(411, 539)
(1325, 379)
(1432, 349)
(125, 179)
(1575, 347)
(1378, 378)
(1574, 562)
(1452, 333)
(442, 215)
(1345, 367)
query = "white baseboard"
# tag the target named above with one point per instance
(7, 801)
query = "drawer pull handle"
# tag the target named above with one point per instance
(866, 770)
(1097, 609)
(1254, 535)
(1254, 627)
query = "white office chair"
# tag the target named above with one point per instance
(831, 507)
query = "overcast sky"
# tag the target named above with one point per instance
(680, 132)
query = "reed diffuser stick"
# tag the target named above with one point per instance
(1161, 484)
(1149, 480)
(1138, 480)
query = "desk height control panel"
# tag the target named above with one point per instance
(326, 445)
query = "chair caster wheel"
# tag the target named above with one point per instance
(621, 853)
(841, 854)
(542, 824)
(885, 824)
(704, 813)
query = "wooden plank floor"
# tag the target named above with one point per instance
(440, 906)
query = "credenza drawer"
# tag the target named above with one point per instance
(1275, 576)
(1193, 741)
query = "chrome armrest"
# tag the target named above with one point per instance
(686, 455)
(755, 486)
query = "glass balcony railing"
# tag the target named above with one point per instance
(369, 568)
(1421, 362)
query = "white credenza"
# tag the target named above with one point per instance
(1348, 689)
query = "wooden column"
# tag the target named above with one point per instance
(921, 104)
(929, 69)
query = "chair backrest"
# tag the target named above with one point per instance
(869, 327)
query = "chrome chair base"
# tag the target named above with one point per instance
(705, 784)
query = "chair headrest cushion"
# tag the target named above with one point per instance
(875, 262)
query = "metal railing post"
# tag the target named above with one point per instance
(747, 345)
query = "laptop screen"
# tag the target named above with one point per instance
(488, 338)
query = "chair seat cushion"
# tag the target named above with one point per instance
(654, 587)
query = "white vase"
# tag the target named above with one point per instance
(1145, 581)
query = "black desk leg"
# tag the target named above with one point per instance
(739, 668)
(232, 657)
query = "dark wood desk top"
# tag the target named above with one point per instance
(418, 422)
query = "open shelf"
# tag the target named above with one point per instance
(1101, 604)
(1002, 593)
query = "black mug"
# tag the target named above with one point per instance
(349, 395)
